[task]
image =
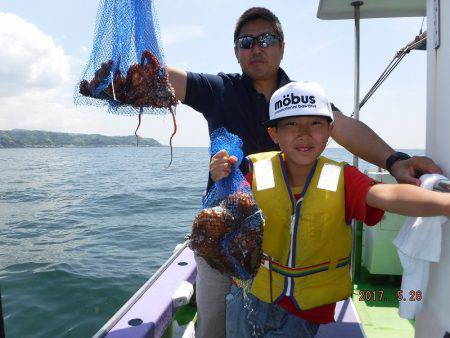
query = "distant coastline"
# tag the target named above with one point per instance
(21, 138)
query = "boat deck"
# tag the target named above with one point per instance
(379, 317)
(151, 311)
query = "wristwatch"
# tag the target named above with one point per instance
(397, 156)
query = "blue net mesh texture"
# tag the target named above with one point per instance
(227, 233)
(221, 139)
(126, 69)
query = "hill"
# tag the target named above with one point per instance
(20, 138)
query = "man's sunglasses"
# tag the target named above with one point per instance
(264, 40)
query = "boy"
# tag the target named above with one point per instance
(308, 202)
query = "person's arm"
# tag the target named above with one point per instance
(203, 92)
(178, 80)
(408, 200)
(359, 139)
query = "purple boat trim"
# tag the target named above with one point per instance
(149, 312)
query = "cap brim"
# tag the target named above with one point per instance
(273, 123)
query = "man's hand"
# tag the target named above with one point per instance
(220, 165)
(406, 171)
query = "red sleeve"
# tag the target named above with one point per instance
(356, 187)
(249, 176)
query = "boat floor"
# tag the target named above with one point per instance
(379, 317)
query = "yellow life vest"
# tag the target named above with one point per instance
(308, 242)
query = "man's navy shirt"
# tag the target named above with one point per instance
(231, 101)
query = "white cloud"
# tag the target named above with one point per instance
(174, 34)
(37, 85)
(29, 59)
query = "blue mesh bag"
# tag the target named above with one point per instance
(126, 70)
(227, 232)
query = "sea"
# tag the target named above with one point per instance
(81, 229)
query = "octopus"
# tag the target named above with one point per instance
(145, 85)
(240, 205)
(230, 235)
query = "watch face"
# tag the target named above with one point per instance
(402, 156)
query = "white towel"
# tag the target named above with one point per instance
(418, 243)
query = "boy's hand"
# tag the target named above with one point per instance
(220, 165)
(406, 171)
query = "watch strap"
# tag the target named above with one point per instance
(397, 156)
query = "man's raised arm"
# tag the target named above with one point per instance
(359, 139)
(178, 80)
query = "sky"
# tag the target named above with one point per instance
(46, 44)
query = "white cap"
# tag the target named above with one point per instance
(299, 99)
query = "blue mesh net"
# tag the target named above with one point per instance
(126, 69)
(221, 139)
(227, 233)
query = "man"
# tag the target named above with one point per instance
(240, 104)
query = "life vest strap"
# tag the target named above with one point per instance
(270, 264)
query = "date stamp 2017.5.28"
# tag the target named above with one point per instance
(380, 296)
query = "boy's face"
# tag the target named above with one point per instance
(302, 138)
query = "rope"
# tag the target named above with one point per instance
(421, 26)
(419, 40)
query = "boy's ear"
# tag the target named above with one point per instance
(273, 133)
(330, 130)
(330, 127)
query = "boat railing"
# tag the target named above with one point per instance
(140, 293)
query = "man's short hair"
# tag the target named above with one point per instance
(258, 13)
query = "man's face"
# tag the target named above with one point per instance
(258, 62)
(302, 139)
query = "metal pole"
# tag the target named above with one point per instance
(356, 261)
(356, 5)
